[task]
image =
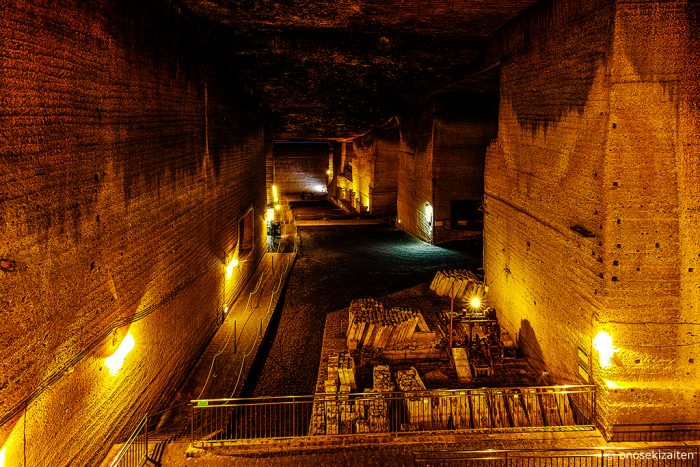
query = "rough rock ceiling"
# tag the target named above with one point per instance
(336, 69)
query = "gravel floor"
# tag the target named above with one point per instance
(336, 265)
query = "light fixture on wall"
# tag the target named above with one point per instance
(230, 266)
(603, 344)
(115, 361)
(428, 208)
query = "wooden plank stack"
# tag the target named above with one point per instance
(460, 358)
(418, 407)
(381, 379)
(372, 325)
(346, 371)
(332, 379)
(460, 283)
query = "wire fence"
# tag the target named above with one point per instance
(667, 456)
(551, 408)
(134, 453)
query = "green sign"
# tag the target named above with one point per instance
(202, 403)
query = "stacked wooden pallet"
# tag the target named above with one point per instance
(461, 284)
(372, 325)
(409, 380)
(381, 379)
(346, 371)
(333, 372)
(460, 359)
(318, 417)
(417, 406)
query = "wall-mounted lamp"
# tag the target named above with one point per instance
(603, 344)
(115, 361)
(229, 267)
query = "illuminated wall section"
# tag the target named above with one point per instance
(301, 167)
(414, 184)
(441, 159)
(464, 126)
(375, 171)
(128, 158)
(591, 195)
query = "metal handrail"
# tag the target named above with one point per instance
(551, 408)
(566, 388)
(134, 452)
(567, 456)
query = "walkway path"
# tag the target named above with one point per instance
(224, 365)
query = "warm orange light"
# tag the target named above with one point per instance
(270, 214)
(275, 195)
(277, 207)
(475, 302)
(328, 172)
(115, 361)
(229, 268)
(3, 453)
(603, 343)
(613, 385)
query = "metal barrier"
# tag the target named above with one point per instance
(134, 453)
(633, 432)
(666, 456)
(550, 408)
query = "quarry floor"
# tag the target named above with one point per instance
(336, 264)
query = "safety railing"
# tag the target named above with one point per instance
(551, 408)
(134, 453)
(666, 456)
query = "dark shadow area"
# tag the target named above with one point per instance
(527, 342)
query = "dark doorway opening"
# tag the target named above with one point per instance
(466, 214)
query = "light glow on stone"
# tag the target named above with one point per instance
(603, 343)
(115, 361)
(229, 268)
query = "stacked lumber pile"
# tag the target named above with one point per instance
(331, 383)
(461, 284)
(409, 380)
(332, 412)
(381, 379)
(346, 371)
(371, 414)
(418, 406)
(371, 411)
(460, 359)
(372, 325)
(318, 417)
